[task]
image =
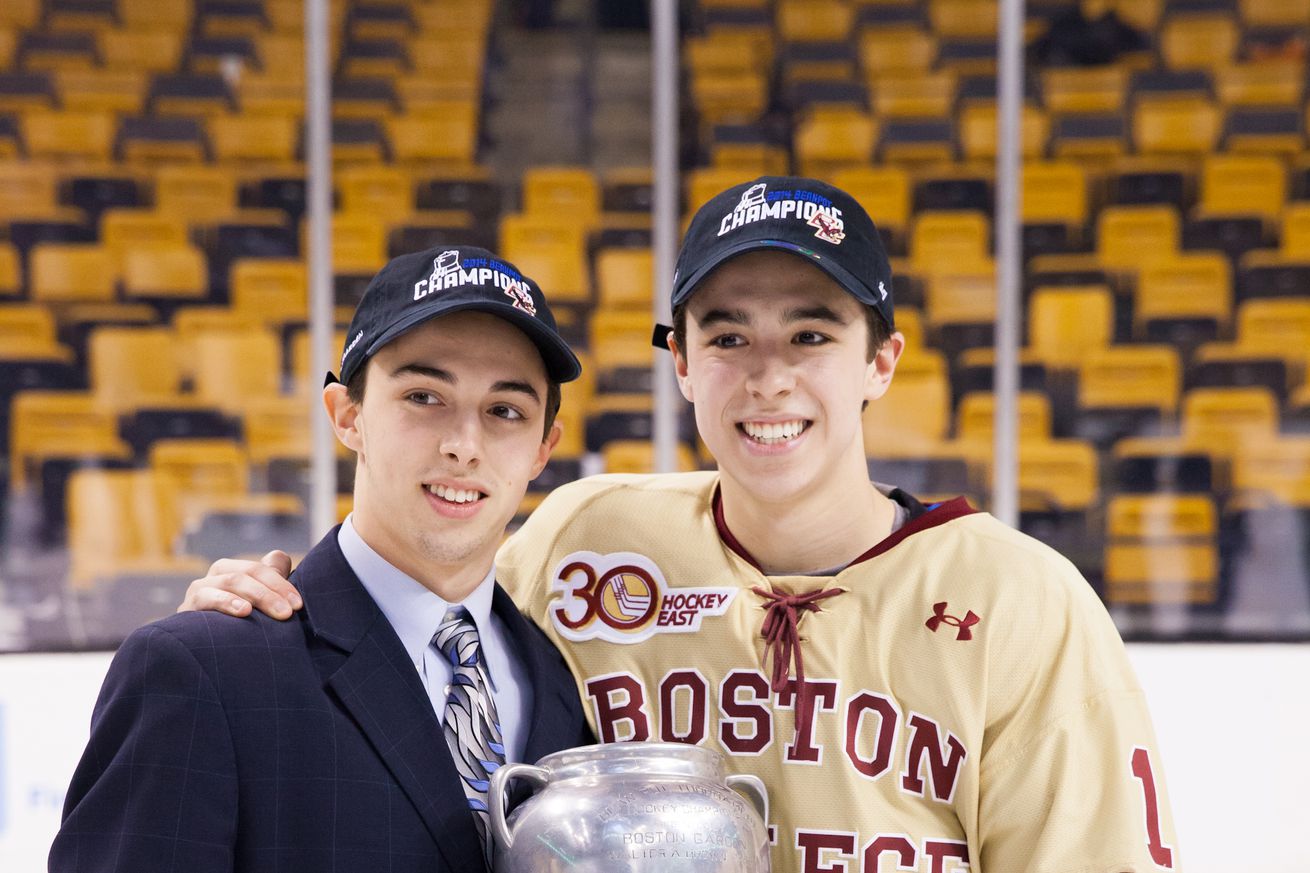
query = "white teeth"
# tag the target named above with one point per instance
(454, 495)
(773, 432)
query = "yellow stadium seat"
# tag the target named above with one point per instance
(359, 243)
(195, 195)
(1161, 549)
(760, 159)
(273, 290)
(722, 53)
(62, 134)
(977, 131)
(173, 15)
(620, 339)
(1296, 231)
(8, 42)
(1279, 327)
(976, 417)
(262, 94)
(1084, 89)
(1065, 323)
(1129, 237)
(704, 183)
(1190, 41)
(26, 327)
(1224, 421)
(896, 51)
(444, 57)
(1279, 468)
(1274, 13)
(239, 138)
(192, 321)
(1185, 125)
(133, 366)
(949, 240)
(376, 190)
(963, 18)
(448, 135)
(625, 279)
(302, 372)
(121, 229)
(638, 456)
(177, 272)
(919, 95)
(122, 92)
(232, 368)
(1243, 185)
(961, 295)
(1130, 376)
(830, 138)
(814, 20)
(1192, 285)
(152, 50)
(114, 520)
(915, 413)
(276, 428)
(11, 270)
(29, 190)
(1263, 83)
(1142, 14)
(1060, 474)
(48, 424)
(189, 474)
(553, 253)
(1054, 192)
(567, 194)
(884, 192)
(725, 98)
(73, 272)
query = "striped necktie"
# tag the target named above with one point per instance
(471, 724)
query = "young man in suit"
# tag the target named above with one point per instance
(359, 736)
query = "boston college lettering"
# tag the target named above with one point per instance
(872, 724)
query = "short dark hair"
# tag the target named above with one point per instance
(879, 330)
(355, 391)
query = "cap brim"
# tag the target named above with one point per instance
(561, 364)
(854, 286)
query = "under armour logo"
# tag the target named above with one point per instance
(962, 625)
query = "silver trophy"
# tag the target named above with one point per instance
(630, 808)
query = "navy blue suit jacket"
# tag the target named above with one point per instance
(222, 744)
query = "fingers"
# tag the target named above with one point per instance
(234, 586)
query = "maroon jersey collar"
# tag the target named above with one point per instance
(921, 518)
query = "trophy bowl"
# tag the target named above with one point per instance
(630, 808)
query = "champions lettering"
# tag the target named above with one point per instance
(800, 206)
(442, 280)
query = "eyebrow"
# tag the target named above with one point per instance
(800, 313)
(440, 375)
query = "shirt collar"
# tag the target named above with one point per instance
(414, 611)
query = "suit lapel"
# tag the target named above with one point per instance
(556, 721)
(376, 683)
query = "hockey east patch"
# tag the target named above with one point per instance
(623, 598)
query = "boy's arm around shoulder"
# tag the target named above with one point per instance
(156, 788)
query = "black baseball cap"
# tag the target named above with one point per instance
(413, 288)
(812, 219)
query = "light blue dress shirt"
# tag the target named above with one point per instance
(415, 613)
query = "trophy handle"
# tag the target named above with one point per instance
(755, 792)
(499, 791)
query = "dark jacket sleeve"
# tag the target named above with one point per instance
(156, 789)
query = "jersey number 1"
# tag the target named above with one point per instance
(1161, 854)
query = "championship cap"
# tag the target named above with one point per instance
(809, 218)
(413, 288)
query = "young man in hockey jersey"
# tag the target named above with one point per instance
(921, 687)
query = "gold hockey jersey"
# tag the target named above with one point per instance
(966, 701)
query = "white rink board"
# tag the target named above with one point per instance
(1236, 808)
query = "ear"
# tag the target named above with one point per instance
(547, 446)
(878, 376)
(680, 369)
(344, 414)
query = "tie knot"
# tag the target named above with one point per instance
(457, 638)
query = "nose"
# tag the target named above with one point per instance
(461, 441)
(770, 375)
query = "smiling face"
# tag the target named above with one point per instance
(447, 436)
(777, 366)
